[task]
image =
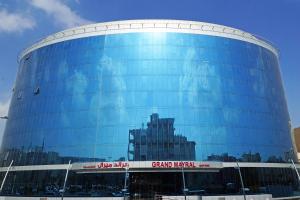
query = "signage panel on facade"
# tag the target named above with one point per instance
(146, 165)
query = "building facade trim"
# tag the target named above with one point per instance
(138, 26)
(146, 166)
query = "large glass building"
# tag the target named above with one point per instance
(146, 107)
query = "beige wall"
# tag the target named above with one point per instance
(297, 138)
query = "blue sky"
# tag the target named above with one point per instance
(22, 22)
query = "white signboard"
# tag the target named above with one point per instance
(146, 165)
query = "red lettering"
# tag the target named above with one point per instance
(162, 164)
(175, 164)
(185, 164)
(153, 164)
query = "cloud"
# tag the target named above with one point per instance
(14, 22)
(4, 108)
(61, 13)
(3, 112)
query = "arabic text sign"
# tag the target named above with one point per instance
(107, 165)
(150, 164)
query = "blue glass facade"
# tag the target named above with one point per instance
(100, 98)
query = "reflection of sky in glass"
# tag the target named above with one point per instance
(224, 94)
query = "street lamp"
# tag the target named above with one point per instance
(292, 156)
(3, 181)
(185, 190)
(66, 178)
(241, 179)
(125, 189)
(4, 117)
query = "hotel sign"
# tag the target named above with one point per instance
(179, 164)
(146, 165)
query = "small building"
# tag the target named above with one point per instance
(159, 142)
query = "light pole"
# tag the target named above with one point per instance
(5, 176)
(66, 178)
(125, 189)
(241, 179)
(296, 170)
(292, 161)
(183, 181)
(2, 184)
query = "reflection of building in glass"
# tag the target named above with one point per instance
(159, 142)
(245, 157)
(36, 155)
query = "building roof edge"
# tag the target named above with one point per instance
(149, 25)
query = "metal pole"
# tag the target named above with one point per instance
(125, 183)
(4, 179)
(296, 170)
(66, 178)
(241, 179)
(183, 181)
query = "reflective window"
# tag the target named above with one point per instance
(147, 96)
(280, 182)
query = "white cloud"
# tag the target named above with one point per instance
(4, 108)
(3, 112)
(61, 13)
(14, 22)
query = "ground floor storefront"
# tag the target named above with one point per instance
(146, 183)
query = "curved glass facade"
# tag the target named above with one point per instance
(147, 96)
